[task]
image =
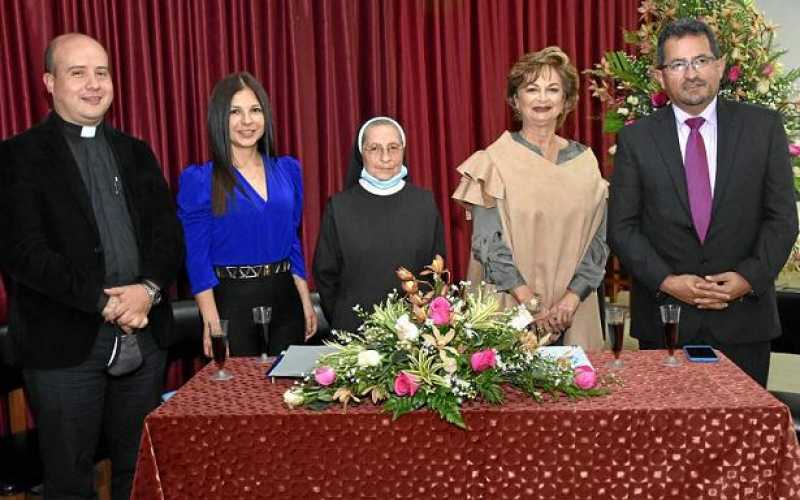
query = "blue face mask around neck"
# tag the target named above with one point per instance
(388, 183)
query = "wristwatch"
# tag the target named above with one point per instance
(152, 291)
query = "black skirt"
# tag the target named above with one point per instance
(235, 302)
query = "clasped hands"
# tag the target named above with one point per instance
(709, 292)
(127, 307)
(555, 319)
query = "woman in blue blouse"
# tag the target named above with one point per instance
(241, 213)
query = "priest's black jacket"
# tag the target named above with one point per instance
(50, 245)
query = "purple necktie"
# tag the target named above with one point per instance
(697, 180)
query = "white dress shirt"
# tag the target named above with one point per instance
(708, 131)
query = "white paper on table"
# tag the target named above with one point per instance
(575, 354)
(299, 360)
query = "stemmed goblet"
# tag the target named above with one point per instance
(219, 348)
(670, 316)
(615, 319)
(261, 317)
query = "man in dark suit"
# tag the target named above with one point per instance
(702, 207)
(91, 240)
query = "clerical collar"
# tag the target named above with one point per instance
(84, 131)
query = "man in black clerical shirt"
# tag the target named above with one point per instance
(91, 240)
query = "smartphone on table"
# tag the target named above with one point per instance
(700, 354)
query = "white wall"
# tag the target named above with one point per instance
(786, 14)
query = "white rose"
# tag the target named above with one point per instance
(293, 398)
(763, 86)
(522, 319)
(623, 111)
(406, 330)
(369, 358)
(633, 100)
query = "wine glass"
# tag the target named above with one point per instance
(219, 348)
(261, 317)
(670, 316)
(615, 319)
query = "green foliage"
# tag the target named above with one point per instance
(434, 360)
(613, 122)
(446, 405)
(489, 386)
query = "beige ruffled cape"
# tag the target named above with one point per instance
(549, 215)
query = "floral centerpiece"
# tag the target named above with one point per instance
(754, 74)
(437, 346)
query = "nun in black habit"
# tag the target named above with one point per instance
(379, 222)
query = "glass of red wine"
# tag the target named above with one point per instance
(219, 348)
(261, 317)
(670, 316)
(615, 319)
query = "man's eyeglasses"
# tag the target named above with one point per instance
(681, 65)
(393, 149)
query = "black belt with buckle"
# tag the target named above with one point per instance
(252, 272)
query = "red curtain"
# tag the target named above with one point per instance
(437, 65)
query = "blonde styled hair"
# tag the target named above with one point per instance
(531, 65)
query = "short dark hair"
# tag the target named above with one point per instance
(219, 110)
(686, 27)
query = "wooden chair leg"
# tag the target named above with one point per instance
(102, 479)
(17, 411)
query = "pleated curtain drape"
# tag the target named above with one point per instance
(438, 66)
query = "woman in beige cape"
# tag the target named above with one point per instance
(538, 205)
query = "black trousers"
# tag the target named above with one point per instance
(73, 406)
(235, 302)
(753, 358)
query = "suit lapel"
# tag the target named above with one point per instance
(665, 137)
(65, 171)
(727, 137)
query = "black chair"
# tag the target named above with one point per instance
(188, 327)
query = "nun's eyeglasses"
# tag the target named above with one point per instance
(393, 149)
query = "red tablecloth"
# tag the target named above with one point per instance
(698, 431)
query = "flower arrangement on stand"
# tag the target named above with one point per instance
(437, 346)
(754, 73)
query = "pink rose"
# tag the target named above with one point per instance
(659, 99)
(483, 360)
(768, 69)
(324, 375)
(629, 122)
(794, 149)
(439, 311)
(585, 377)
(734, 73)
(405, 384)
